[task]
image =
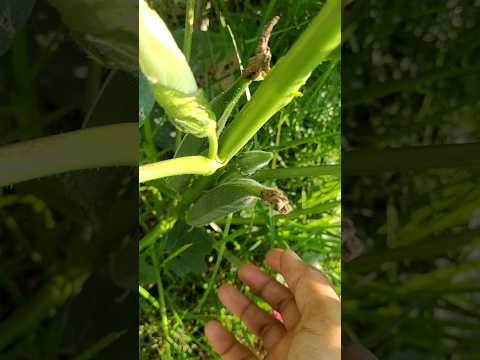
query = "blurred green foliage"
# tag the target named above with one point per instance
(411, 83)
(67, 266)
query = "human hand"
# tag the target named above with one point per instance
(310, 310)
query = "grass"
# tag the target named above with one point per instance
(180, 268)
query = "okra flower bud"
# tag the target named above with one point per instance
(170, 76)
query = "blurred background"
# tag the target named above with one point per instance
(68, 254)
(411, 140)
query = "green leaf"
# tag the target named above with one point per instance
(250, 162)
(146, 271)
(145, 98)
(229, 197)
(191, 260)
(13, 15)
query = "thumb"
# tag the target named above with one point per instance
(308, 284)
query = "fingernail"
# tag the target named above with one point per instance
(294, 255)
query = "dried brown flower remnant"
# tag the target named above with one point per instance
(275, 197)
(352, 246)
(259, 64)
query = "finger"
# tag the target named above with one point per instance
(224, 344)
(274, 293)
(307, 283)
(257, 320)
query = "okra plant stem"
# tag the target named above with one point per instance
(282, 84)
(212, 144)
(198, 165)
(286, 78)
(103, 146)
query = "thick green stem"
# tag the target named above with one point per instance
(212, 144)
(199, 165)
(280, 87)
(286, 78)
(112, 145)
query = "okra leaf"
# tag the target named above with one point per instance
(13, 15)
(145, 99)
(229, 197)
(191, 260)
(146, 270)
(250, 162)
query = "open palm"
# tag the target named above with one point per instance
(309, 328)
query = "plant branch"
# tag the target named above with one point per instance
(103, 146)
(198, 165)
(212, 143)
(281, 86)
